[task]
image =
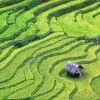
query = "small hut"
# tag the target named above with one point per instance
(74, 70)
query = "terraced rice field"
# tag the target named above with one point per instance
(37, 38)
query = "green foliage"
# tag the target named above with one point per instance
(98, 37)
(4, 3)
(37, 38)
(42, 1)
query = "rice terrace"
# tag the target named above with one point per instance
(38, 38)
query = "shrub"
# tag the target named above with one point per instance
(5, 3)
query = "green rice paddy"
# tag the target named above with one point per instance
(37, 38)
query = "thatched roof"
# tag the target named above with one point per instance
(73, 68)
